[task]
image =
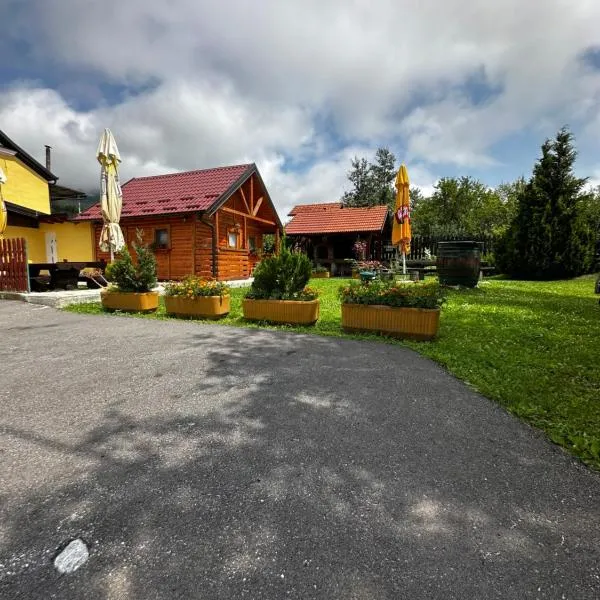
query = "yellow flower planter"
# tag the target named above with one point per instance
(291, 312)
(413, 323)
(205, 307)
(129, 301)
(321, 275)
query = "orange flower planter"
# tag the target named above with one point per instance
(205, 307)
(129, 301)
(411, 323)
(291, 312)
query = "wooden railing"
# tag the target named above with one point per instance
(420, 243)
(13, 265)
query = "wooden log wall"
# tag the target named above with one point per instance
(173, 263)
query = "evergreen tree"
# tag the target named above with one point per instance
(383, 173)
(551, 236)
(372, 183)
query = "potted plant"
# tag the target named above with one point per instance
(320, 272)
(131, 288)
(400, 309)
(197, 297)
(279, 293)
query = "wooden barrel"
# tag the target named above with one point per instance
(458, 263)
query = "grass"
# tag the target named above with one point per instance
(534, 347)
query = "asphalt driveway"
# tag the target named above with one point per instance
(212, 462)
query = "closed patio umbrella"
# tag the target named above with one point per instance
(111, 197)
(401, 234)
(3, 213)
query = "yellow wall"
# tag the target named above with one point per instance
(36, 243)
(73, 241)
(23, 186)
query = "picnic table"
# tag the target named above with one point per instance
(63, 275)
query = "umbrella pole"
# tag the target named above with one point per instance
(403, 263)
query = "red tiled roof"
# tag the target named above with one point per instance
(333, 218)
(313, 207)
(174, 193)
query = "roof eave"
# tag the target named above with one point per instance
(222, 199)
(27, 159)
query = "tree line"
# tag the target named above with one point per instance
(547, 226)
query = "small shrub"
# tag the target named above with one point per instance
(196, 287)
(427, 294)
(282, 277)
(320, 269)
(129, 277)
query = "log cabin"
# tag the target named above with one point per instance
(208, 223)
(327, 232)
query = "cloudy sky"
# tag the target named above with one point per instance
(453, 87)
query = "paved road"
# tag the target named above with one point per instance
(211, 462)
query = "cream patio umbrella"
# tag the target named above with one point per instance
(3, 213)
(401, 234)
(111, 197)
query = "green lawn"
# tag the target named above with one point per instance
(534, 347)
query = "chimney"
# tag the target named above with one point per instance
(48, 161)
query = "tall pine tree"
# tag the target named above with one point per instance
(372, 183)
(551, 236)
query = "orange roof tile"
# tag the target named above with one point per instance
(332, 217)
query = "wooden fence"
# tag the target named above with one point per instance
(420, 243)
(14, 276)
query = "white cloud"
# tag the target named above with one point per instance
(234, 81)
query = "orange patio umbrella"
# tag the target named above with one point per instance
(401, 234)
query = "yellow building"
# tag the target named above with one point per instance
(27, 193)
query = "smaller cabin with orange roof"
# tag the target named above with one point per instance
(327, 232)
(209, 222)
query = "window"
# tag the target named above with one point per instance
(161, 239)
(232, 239)
(252, 244)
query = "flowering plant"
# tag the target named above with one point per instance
(196, 287)
(360, 249)
(426, 294)
(320, 269)
(369, 265)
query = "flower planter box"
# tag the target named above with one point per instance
(205, 307)
(412, 323)
(321, 275)
(129, 301)
(291, 312)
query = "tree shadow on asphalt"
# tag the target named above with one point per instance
(299, 486)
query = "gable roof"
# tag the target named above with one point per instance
(333, 217)
(192, 191)
(25, 158)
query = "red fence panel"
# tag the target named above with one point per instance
(14, 276)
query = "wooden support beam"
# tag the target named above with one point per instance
(253, 218)
(277, 241)
(248, 209)
(257, 206)
(252, 195)
(245, 234)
